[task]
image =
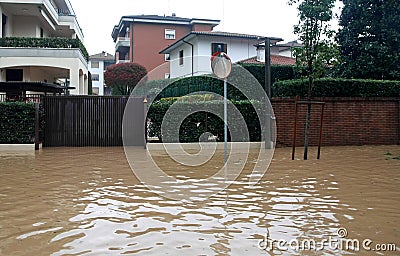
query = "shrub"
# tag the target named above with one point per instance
(198, 123)
(331, 87)
(181, 87)
(123, 77)
(278, 72)
(17, 122)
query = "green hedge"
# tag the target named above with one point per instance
(51, 42)
(331, 87)
(180, 87)
(17, 123)
(198, 123)
(184, 86)
(278, 72)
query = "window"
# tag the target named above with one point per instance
(94, 64)
(95, 77)
(95, 90)
(167, 76)
(170, 34)
(218, 47)
(41, 33)
(14, 75)
(3, 25)
(167, 57)
(181, 57)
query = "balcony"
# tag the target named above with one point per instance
(43, 43)
(122, 42)
(122, 61)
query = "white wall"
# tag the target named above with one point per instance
(177, 70)
(99, 71)
(77, 68)
(25, 26)
(238, 49)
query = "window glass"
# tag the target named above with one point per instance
(181, 57)
(95, 77)
(94, 64)
(218, 47)
(170, 34)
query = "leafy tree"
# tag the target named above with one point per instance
(369, 39)
(123, 77)
(318, 51)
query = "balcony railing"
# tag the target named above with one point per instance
(52, 42)
(122, 61)
(63, 12)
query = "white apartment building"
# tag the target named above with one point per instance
(98, 63)
(41, 47)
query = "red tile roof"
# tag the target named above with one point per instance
(275, 60)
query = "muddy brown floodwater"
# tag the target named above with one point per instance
(86, 201)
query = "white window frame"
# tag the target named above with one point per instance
(167, 57)
(95, 62)
(181, 56)
(169, 34)
(95, 77)
(167, 75)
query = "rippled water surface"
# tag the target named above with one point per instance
(86, 201)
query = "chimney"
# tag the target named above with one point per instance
(173, 14)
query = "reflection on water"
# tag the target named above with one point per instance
(86, 201)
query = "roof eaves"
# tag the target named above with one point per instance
(174, 45)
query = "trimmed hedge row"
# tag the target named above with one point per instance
(184, 86)
(200, 122)
(278, 72)
(331, 87)
(51, 42)
(17, 123)
(180, 87)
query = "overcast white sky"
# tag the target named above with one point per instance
(273, 18)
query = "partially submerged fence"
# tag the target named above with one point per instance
(97, 121)
(76, 121)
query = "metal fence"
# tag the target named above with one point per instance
(78, 121)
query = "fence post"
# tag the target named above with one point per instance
(398, 121)
(37, 125)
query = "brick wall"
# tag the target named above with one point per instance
(347, 121)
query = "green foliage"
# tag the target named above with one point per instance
(51, 42)
(184, 86)
(123, 77)
(369, 39)
(330, 87)
(181, 87)
(198, 123)
(278, 72)
(317, 53)
(17, 122)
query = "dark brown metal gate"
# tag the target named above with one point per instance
(80, 121)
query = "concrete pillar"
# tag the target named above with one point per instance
(81, 83)
(86, 84)
(74, 80)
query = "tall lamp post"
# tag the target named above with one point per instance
(221, 66)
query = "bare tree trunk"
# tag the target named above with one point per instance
(308, 118)
(307, 130)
